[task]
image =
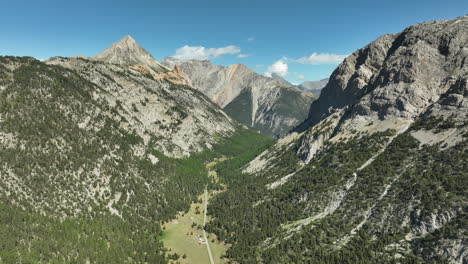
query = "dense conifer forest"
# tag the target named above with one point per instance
(252, 217)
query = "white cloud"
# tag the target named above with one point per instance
(322, 58)
(243, 55)
(201, 53)
(258, 66)
(251, 39)
(280, 67)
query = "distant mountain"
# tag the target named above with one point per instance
(378, 171)
(271, 106)
(313, 86)
(177, 112)
(127, 52)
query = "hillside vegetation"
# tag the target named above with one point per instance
(79, 185)
(378, 171)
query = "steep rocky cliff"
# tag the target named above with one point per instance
(391, 81)
(375, 173)
(271, 106)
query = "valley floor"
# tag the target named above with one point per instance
(185, 235)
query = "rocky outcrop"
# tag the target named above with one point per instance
(394, 79)
(266, 104)
(398, 75)
(350, 80)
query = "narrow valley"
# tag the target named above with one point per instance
(241, 132)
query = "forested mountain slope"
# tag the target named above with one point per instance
(86, 146)
(378, 172)
(268, 105)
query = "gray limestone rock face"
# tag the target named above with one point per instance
(184, 120)
(266, 104)
(397, 75)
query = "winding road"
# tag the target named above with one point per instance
(210, 255)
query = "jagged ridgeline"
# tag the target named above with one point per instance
(376, 174)
(88, 168)
(269, 105)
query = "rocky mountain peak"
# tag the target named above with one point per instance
(128, 40)
(397, 75)
(128, 52)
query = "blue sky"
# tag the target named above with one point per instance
(270, 35)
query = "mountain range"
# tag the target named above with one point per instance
(269, 105)
(98, 154)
